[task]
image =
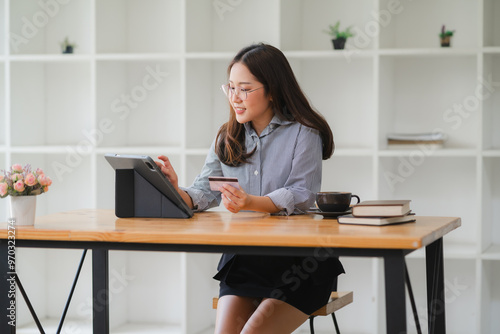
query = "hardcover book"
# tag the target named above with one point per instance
(381, 208)
(350, 219)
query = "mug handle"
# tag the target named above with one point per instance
(357, 198)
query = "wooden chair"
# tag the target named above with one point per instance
(336, 302)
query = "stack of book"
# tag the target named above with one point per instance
(411, 140)
(379, 212)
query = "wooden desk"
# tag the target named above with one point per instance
(245, 233)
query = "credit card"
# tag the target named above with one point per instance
(217, 181)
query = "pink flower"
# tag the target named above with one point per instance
(44, 180)
(3, 189)
(17, 168)
(15, 177)
(19, 186)
(39, 171)
(30, 180)
(45, 188)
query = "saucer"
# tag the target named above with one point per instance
(328, 214)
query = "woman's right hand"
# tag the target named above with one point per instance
(168, 170)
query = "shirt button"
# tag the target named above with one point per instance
(256, 172)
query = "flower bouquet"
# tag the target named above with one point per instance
(22, 184)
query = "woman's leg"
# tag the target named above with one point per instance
(274, 316)
(233, 312)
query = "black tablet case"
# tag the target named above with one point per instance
(137, 197)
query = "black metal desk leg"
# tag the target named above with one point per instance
(7, 291)
(100, 291)
(395, 302)
(435, 287)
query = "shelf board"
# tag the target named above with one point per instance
(85, 327)
(48, 58)
(491, 49)
(210, 55)
(137, 56)
(197, 151)
(353, 152)
(440, 152)
(141, 149)
(438, 51)
(52, 149)
(491, 153)
(492, 253)
(327, 54)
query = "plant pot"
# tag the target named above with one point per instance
(339, 43)
(68, 49)
(23, 209)
(445, 41)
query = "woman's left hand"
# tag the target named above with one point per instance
(234, 199)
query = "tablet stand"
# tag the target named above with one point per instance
(137, 197)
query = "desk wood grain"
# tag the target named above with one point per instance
(224, 228)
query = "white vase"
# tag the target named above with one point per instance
(23, 209)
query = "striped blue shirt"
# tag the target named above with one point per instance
(286, 167)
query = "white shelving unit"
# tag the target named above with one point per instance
(145, 79)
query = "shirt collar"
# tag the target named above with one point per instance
(275, 123)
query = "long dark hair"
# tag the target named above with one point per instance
(271, 68)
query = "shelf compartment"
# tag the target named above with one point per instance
(431, 184)
(135, 26)
(207, 108)
(46, 95)
(3, 126)
(3, 20)
(404, 29)
(428, 102)
(4, 204)
(490, 209)
(490, 297)
(343, 92)
(351, 174)
(490, 97)
(194, 164)
(491, 26)
(105, 177)
(199, 293)
(32, 263)
(492, 252)
(460, 294)
(40, 27)
(302, 24)
(139, 103)
(156, 286)
(69, 172)
(358, 278)
(225, 25)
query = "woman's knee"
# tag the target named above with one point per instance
(233, 313)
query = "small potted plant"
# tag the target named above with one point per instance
(445, 36)
(67, 46)
(339, 37)
(22, 185)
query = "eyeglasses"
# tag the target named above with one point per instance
(242, 93)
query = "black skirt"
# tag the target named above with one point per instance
(303, 282)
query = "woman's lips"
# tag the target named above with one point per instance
(239, 110)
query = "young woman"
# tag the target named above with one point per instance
(274, 143)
